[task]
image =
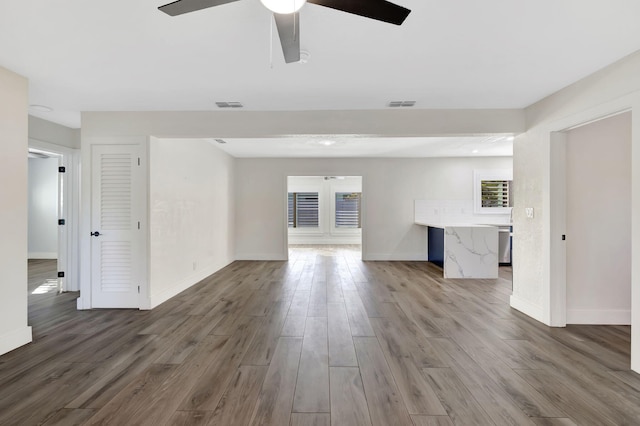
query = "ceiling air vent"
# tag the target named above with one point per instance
(397, 104)
(229, 105)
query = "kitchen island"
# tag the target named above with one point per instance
(463, 250)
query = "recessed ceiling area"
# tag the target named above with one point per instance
(359, 147)
(128, 56)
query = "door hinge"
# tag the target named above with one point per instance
(138, 161)
(61, 274)
(138, 289)
(62, 169)
(61, 222)
(138, 224)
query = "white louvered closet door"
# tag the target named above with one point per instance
(115, 208)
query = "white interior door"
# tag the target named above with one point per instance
(115, 227)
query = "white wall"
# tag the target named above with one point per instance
(14, 331)
(326, 233)
(137, 127)
(389, 188)
(260, 124)
(598, 176)
(46, 131)
(611, 90)
(191, 214)
(43, 208)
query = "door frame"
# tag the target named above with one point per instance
(556, 282)
(558, 208)
(285, 218)
(84, 301)
(68, 209)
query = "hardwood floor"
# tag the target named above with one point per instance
(324, 339)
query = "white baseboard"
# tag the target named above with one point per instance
(42, 255)
(406, 257)
(599, 316)
(14, 339)
(409, 257)
(324, 240)
(82, 304)
(261, 256)
(528, 308)
(184, 284)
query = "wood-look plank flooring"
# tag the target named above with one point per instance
(323, 339)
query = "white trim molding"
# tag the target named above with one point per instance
(191, 280)
(398, 257)
(14, 339)
(42, 255)
(534, 311)
(263, 256)
(599, 316)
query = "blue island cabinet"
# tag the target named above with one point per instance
(435, 245)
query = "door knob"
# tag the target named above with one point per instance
(95, 234)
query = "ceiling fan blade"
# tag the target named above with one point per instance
(289, 31)
(185, 6)
(380, 10)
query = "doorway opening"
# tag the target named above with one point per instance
(52, 219)
(324, 213)
(598, 220)
(43, 213)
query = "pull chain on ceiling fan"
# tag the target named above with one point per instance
(286, 15)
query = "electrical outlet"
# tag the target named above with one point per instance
(529, 212)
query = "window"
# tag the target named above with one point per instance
(291, 212)
(496, 193)
(348, 209)
(303, 209)
(492, 193)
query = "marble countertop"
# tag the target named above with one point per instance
(459, 225)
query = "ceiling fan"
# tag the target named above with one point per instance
(286, 15)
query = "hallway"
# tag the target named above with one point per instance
(324, 339)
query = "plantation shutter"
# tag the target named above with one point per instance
(348, 210)
(306, 209)
(496, 193)
(302, 210)
(291, 210)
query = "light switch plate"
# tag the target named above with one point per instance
(529, 212)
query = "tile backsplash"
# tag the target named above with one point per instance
(453, 211)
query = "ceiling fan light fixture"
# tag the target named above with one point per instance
(283, 6)
(287, 20)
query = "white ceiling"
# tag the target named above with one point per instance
(125, 55)
(341, 147)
